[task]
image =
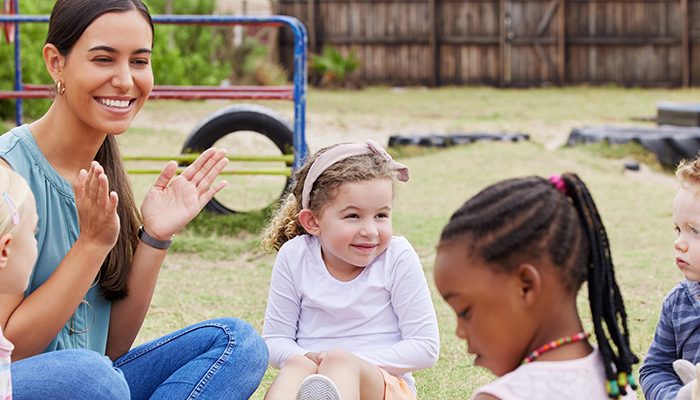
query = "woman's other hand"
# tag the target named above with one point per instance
(97, 208)
(173, 201)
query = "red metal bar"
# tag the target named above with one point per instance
(156, 88)
(34, 94)
(189, 94)
(194, 95)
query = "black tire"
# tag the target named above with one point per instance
(234, 119)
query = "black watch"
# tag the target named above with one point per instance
(153, 242)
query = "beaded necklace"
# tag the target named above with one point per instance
(613, 386)
(554, 344)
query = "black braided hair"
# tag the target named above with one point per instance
(522, 219)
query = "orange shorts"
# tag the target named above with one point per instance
(396, 388)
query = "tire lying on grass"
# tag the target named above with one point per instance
(236, 119)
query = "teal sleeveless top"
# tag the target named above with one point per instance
(58, 229)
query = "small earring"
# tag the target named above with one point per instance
(60, 87)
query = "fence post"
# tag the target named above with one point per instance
(434, 44)
(685, 43)
(504, 70)
(311, 25)
(561, 55)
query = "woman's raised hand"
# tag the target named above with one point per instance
(97, 207)
(172, 201)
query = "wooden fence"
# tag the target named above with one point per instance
(507, 42)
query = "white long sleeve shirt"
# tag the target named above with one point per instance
(384, 316)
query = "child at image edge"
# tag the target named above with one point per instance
(18, 219)
(510, 262)
(349, 313)
(677, 335)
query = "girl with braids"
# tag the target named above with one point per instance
(99, 253)
(677, 335)
(349, 313)
(510, 262)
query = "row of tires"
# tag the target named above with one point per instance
(671, 144)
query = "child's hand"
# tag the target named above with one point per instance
(173, 201)
(97, 207)
(689, 375)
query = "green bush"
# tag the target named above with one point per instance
(182, 55)
(251, 65)
(331, 68)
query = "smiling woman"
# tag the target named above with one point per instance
(109, 73)
(99, 255)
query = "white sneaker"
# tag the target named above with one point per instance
(318, 387)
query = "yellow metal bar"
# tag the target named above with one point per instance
(283, 172)
(287, 158)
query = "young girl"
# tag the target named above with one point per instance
(63, 374)
(349, 313)
(509, 263)
(99, 260)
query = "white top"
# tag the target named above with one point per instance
(6, 348)
(580, 379)
(384, 315)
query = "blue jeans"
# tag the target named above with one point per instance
(217, 359)
(68, 375)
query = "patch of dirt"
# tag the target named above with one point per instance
(646, 174)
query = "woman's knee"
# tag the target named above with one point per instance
(247, 341)
(75, 374)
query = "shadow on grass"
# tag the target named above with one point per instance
(208, 223)
(218, 237)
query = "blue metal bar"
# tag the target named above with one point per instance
(300, 59)
(19, 104)
(300, 90)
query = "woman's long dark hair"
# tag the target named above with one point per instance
(528, 218)
(68, 21)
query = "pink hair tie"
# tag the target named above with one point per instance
(14, 213)
(341, 152)
(558, 183)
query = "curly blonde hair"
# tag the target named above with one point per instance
(285, 224)
(688, 172)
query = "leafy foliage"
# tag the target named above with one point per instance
(332, 68)
(251, 65)
(182, 55)
(32, 37)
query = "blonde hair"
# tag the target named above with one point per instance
(285, 225)
(688, 172)
(18, 191)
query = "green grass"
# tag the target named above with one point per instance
(223, 275)
(215, 268)
(216, 273)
